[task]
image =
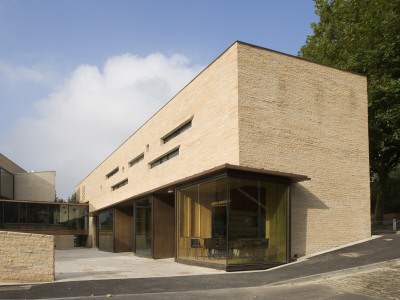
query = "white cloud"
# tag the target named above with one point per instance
(92, 112)
(18, 73)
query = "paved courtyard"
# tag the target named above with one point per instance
(382, 283)
(367, 270)
(91, 264)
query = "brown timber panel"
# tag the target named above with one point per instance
(164, 226)
(123, 229)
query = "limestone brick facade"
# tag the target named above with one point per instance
(26, 257)
(211, 99)
(262, 109)
(305, 118)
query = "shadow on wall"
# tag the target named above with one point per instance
(302, 201)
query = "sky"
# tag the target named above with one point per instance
(78, 77)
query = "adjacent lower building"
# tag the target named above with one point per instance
(263, 157)
(27, 205)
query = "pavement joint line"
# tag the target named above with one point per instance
(348, 271)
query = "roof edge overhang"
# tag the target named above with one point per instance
(293, 178)
(43, 202)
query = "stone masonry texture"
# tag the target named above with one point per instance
(259, 108)
(300, 117)
(26, 257)
(211, 99)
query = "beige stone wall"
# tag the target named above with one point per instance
(259, 108)
(26, 257)
(9, 165)
(300, 117)
(91, 239)
(36, 186)
(211, 100)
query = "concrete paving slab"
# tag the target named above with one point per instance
(91, 264)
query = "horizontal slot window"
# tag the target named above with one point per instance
(183, 127)
(113, 172)
(136, 160)
(164, 158)
(120, 184)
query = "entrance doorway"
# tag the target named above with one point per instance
(143, 227)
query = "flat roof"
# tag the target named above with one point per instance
(43, 202)
(213, 171)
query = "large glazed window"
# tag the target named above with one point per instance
(106, 228)
(40, 216)
(143, 226)
(233, 222)
(14, 215)
(202, 223)
(77, 217)
(257, 222)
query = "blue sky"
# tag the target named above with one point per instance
(67, 65)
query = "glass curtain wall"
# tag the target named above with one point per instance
(240, 226)
(106, 230)
(40, 216)
(257, 222)
(14, 215)
(143, 227)
(202, 216)
(76, 214)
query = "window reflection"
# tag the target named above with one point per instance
(202, 222)
(143, 227)
(40, 216)
(106, 236)
(243, 225)
(257, 222)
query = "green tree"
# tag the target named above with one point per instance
(72, 198)
(364, 36)
(58, 199)
(392, 198)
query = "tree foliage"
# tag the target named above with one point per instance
(364, 36)
(72, 198)
(392, 199)
(58, 199)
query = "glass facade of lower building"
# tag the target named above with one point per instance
(233, 222)
(43, 216)
(143, 227)
(106, 230)
(202, 222)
